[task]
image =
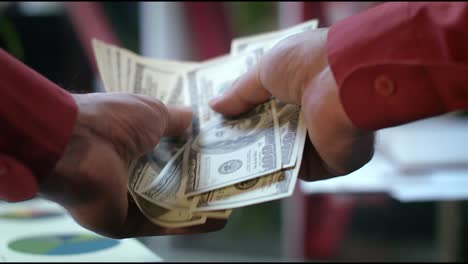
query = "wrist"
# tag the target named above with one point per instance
(342, 146)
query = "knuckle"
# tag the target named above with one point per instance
(113, 234)
(155, 110)
(162, 109)
(354, 165)
(162, 117)
(117, 235)
(160, 113)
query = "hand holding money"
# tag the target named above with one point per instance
(90, 180)
(223, 162)
(308, 81)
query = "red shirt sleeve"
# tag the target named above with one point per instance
(36, 121)
(401, 61)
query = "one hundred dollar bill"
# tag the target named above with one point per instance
(258, 190)
(124, 71)
(270, 187)
(228, 151)
(223, 163)
(292, 132)
(170, 218)
(161, 179)
(220, 214)
(268, 40)
(175, 218)
(212, 79)
(103, 61)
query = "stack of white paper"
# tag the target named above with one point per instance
(425, 160)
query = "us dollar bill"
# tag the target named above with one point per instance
(152, 80)
(124, 71)
(157, 78)
(221, 163)
(273, 186)
(103, 64)
(292, 128)
(268, 40)
(161, 183)
(212, 79)
(293, 132)
(170, 218)
(258, 190)
(158, 197)
(219, 214)
(227, 151)
(174, 218)
(160, 79)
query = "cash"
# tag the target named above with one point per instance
(220, 163)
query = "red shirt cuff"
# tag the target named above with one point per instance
(36, 117)
(399, 62)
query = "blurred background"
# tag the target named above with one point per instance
(407, 204)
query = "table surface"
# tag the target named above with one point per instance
(41, 231)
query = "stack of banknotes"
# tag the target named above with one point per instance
(220, 163)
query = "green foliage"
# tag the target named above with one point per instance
(10, 38)
(124, 20)
(256, 220)
(249, 18)
(252, 230)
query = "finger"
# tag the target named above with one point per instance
(92, 193)
(173, 120)
(312, 167)
(245, 94)
(211, 225)
(179, 119)
(138, 225)
(342, 147)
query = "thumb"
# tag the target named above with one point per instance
(173, 119)
(178, 120)
(247, 92)
(165, 121)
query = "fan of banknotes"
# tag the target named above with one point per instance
(220, 163)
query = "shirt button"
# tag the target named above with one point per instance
(384, 86)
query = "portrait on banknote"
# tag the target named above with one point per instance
(222, 135)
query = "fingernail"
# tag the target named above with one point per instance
(185, 108)
(214, 100)
(180, 108)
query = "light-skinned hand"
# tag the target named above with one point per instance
(296, 71)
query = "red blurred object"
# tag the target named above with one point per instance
(90, 22)
(311, 10)
(210, 31)
(327, 218)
